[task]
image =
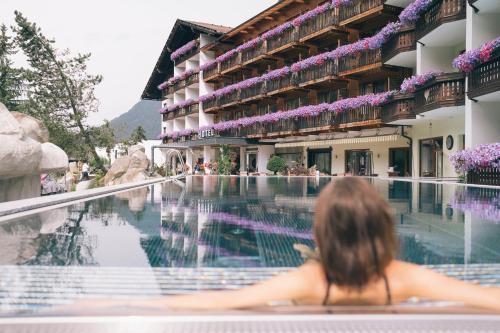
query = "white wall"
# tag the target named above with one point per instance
(482, 123)
(263, 155)
(438, 128)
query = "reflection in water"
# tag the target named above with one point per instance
(481, 202)
(245, 222)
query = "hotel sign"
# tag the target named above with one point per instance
(208, 133)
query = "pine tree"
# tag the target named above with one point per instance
(11, 79)
(60, 91)
(137, 136)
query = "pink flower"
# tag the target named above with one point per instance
(183, 50)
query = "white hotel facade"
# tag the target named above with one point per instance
(412, 135)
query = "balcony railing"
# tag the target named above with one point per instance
(318, 23)
(229, 98)
(444, 91)
(287, 37)
(404, 41)
(357, 117)
(401, 107)
(187, 55)
(329, 68)
(230, 63)
(193, 108)
(359, 7)
(440, 12)
(211, 72)
(359, 60)
(210, 104)
(326, 119)
(256, 90)
(192, 79)
(485, 78)
(279, 83)
(253, 53)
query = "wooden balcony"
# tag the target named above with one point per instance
(211, 73)
(229, 99)
(282, 42)
(445, 90)
(366, 116)
(326, 23)
(253, 54)
(192, 79)
(440, 12)
(193, 108)
(210, 105)
(323, 122)
(230, 64)
(404, 41)
(367, 14)
(400, 109)
(485, 78)
(187, 55)
(317, 74)
(249, 94)
(360, 62)
(281, 85)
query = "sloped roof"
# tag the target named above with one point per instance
(182, 33)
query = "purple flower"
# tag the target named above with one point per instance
(410, 84)
(249, 45)
(483, 156)
(478, 202)
(277, 31)
(311, 14)
(177, 106)
(412, 12)
(183, 50)
(208, 65)
(228, 55)
(175, 79)
(469, 60)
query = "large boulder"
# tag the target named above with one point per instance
(129, 169)
(32, 127)
(8, 124)
(136, 148)
(54, 159)
(19, 157)
(24, 155)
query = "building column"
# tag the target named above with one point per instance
(208, 154)
(189, 160)
(263, 155)
(243, 159)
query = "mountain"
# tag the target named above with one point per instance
(145, 114)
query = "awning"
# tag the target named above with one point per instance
(346, 141)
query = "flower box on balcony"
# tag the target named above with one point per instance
(484, 176)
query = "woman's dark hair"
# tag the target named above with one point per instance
(354, 231)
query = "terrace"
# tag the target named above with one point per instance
(368, 14)
(441, 95)
(484, 80)
(400, 50)
(443, 23)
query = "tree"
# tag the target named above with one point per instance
(137, 136)
(11, 79)
(224, 162)
(276, 164)
(60, 91)
(104, 137)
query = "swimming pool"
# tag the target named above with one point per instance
(212, 232)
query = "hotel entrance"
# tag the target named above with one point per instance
(251, 161)
(431, 157)
(321, 158)
(359, 162)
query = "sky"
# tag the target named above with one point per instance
(125, 37)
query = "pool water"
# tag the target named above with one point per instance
(239, 228)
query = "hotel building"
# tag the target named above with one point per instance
(274, 63)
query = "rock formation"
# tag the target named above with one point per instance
(130, 168)
(25, 153)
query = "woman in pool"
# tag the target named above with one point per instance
(354, 232)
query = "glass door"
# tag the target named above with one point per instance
(399, 160)
(431, 157)
(359, 162)
(321, 158)
(252, 162)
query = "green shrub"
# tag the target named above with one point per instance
(276, 164)
(224, 162)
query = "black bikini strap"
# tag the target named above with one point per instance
(327, 295)
(387, 290)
